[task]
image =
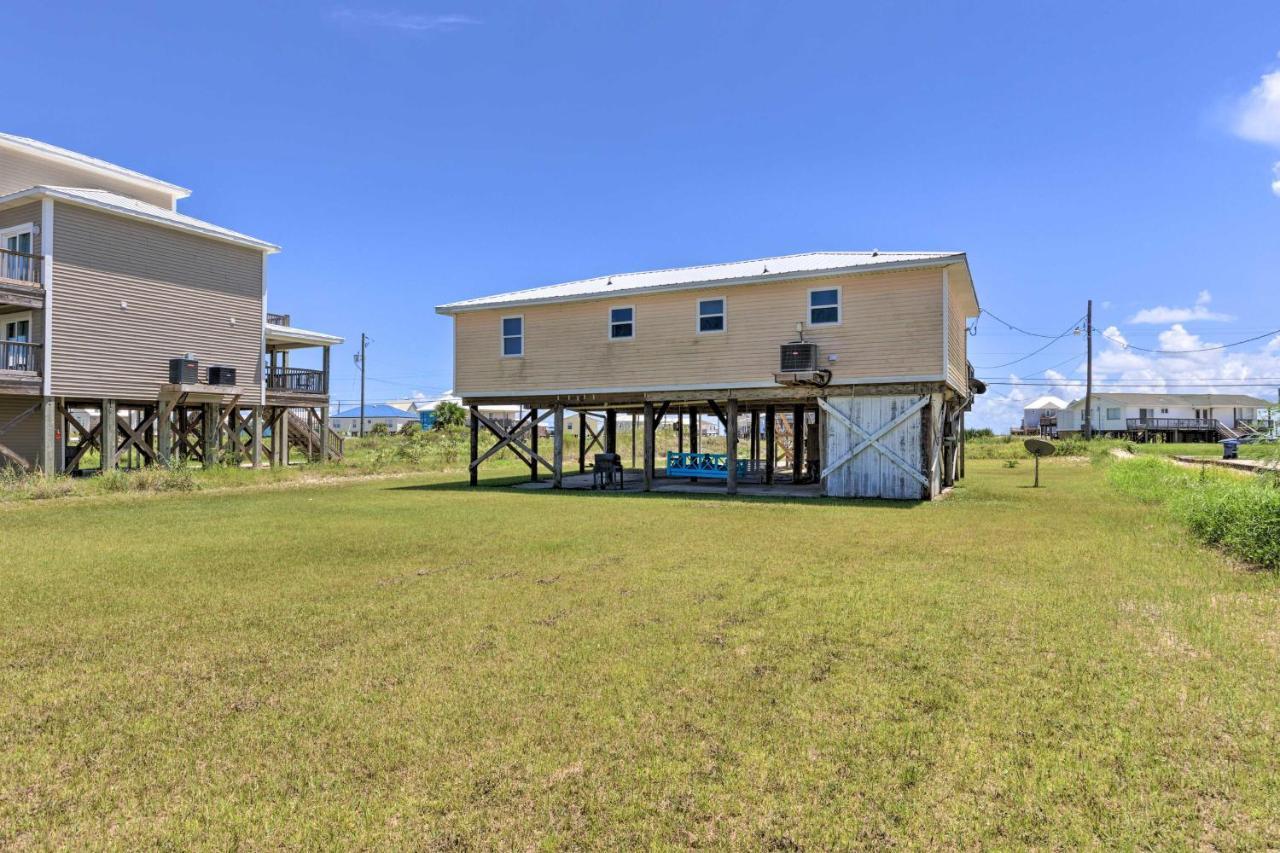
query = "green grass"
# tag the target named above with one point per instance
(408, 663)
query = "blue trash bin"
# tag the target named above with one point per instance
(1230, 449)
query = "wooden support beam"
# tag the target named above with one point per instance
(755, 438)
(695, 429)
(474, 467)
(256, 451)
(770, 443)
(718, 412)
(48, 460)
(650, 431)
(210, 427)
(108, 441)
(533, 447)
(582, 442)
(610, 431)
(797, 443)
(557, 449)
(731, 447)
(324, 416)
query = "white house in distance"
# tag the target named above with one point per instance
(1173, 417)
(1047, 408)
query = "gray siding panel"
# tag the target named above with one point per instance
(24, 437)
(128, 296)
(20, 171)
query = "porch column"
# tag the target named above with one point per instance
(731, 445)
(770, 447)
(557, 456)
(649, 433)
(797, 442)
(475, 446)
(108, 435)
(533, 445)
(325, 379)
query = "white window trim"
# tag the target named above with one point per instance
(18, 317)
(13, 230)
(723, 315)
(608, 332)
(502, 335)
(839, 306)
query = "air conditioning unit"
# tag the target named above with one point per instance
(222, 375)
(184, 371)
(799, 357)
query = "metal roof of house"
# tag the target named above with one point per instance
(761, 270)
(44, 149)
(1046, 402)
(1193, 400)
(290, 337)
(124, 206)
(378, 411)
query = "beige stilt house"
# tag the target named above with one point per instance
(847, 372)
(102, 284)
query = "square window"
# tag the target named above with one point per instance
(710, 315)
(824, 307)
(622, 323)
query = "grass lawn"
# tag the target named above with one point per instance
(407, 662)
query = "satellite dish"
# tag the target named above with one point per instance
(1038, 447)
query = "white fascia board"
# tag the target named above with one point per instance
(100, 167)
(835, 272)
(65, 198)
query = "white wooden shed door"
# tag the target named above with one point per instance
(873, 447)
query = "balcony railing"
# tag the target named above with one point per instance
(297, 380)
(15, 355)
(1171, 423)
(278, 319)
(20, 266)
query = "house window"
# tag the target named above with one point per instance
(1113, 414)
(512, 337)
(622, 323)
(1164, 411)
(824, 307)
(710, 316)
(15, 262)
(16, 329)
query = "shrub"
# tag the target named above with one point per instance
(411, 429)
(448, 415)
(982, 432)
(379, 429)
(1239, 514)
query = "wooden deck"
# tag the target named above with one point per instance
(783, 488)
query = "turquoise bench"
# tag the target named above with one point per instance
(710, 465)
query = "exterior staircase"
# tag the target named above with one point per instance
(304, 435)
(1225, 431)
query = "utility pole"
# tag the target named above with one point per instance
(1088, 376)
(360, 363)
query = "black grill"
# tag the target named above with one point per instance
(222, 375)
(798, 357)
(184, 371)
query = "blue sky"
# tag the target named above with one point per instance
(406, 154)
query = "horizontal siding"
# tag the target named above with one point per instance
(23, 437)
(957, 338)
(182, 292)
(20, 171)
(891, 326)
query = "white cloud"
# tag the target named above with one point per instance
(403, 21)
(1257, 118)
(1161, 314)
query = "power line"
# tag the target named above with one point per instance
(1252, 383)
(1125, 344)
(1016, 328)
(1069, 330)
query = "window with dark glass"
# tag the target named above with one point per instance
(710, 315)
(512, 336)
(622, 323)
(824, 307)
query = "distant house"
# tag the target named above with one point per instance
(1040, 416)
(348, 422)
(1170, 417)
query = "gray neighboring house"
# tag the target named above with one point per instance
(1172, 417)
(102, 282)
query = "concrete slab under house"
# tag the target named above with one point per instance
(842, 374)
